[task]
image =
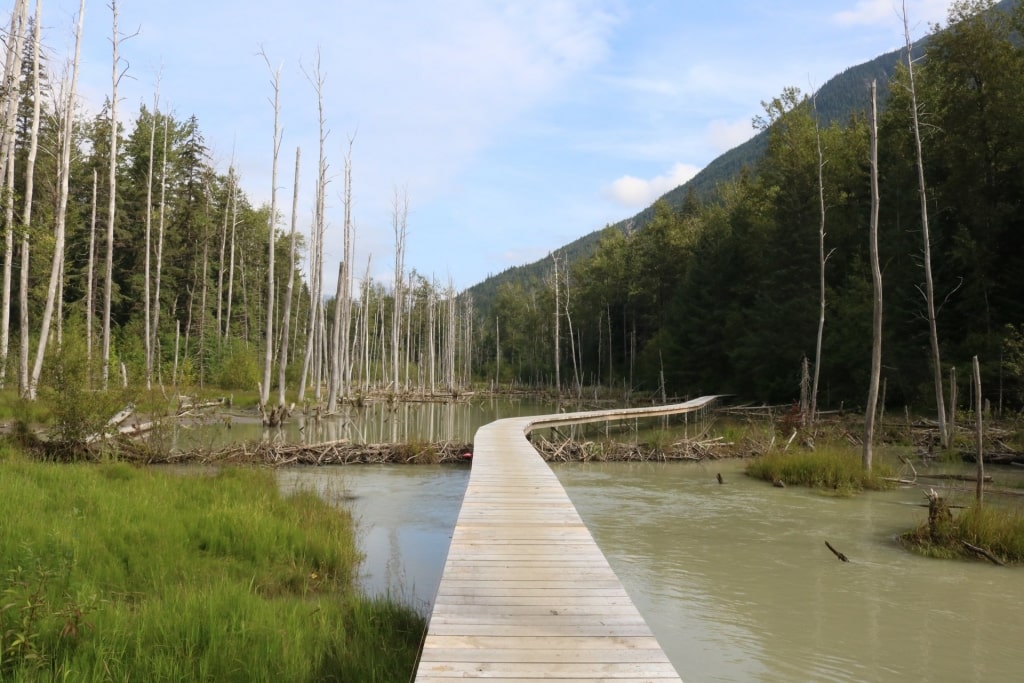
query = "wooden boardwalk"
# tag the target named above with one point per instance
(526, 593)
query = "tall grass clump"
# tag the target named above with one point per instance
(997, 529)
(826, 468)
(109, 572)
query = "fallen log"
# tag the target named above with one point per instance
(984, 553)
(955, 477)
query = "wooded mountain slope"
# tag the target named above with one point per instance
(718, 291)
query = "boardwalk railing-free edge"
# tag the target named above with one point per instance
(526, 593)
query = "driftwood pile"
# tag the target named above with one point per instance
(341, 452)
(571, 450)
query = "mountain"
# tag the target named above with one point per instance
(838, 99)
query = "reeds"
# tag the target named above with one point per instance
(998, 529)
(832, 468)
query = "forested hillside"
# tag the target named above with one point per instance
(836, 101)
(719, 292)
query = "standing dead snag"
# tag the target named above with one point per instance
(979, 433)
(939, 517)
(876, 278)
(67, 122)
(268, 356)
(933, 334)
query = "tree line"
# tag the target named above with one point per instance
(723, 295)
(127, 248)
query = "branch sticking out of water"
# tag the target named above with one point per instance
(838, 554)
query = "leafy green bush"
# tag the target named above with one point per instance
(236, 368)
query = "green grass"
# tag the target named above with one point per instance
(832, 468)
(995, 528)
(109, 572)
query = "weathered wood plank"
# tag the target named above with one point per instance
(526, 593)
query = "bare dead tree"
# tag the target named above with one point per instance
(223, 252)
(346, 276)
(558, 376)
(11, 98)
(90, 286)
(399, 217)
(115, 78)
(978, 433)
(149, 238)
(822, 260)
(268, 356)
(876, 278)
(161, 215)
(316, 237)
(929, 293)
(282, 366)
(60, 222)
(26, 216)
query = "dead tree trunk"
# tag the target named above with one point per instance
(876, 278)
(822, 260)
(90, 287)
(282, 365)
(161, 213)
(26, 217)
(64, 171)
(346, 276)
(149, 238)
(268, 354)
(108, 283)
(933, 333)
(12, 93)
(400, 213)
(978, 433)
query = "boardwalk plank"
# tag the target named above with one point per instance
(526, 593)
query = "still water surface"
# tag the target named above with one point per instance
(734, 579)
(737, 583)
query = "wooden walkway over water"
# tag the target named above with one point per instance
(526, 593)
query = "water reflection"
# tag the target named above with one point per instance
(455, 421)
(404, 517)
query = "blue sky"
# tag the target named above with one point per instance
(514, 126)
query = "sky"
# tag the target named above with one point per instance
(512, 127)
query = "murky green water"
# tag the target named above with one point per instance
(734, 579)
(738, 585)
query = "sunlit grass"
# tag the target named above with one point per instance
(829, 468)
(119, 573)
(995, 528)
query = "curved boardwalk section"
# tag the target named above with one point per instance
(526, 593)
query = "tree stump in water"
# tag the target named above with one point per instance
(940, 518)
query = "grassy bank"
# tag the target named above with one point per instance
(110, 572)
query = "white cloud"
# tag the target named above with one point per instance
(724, 135)
(882, 12)
(638, 192)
